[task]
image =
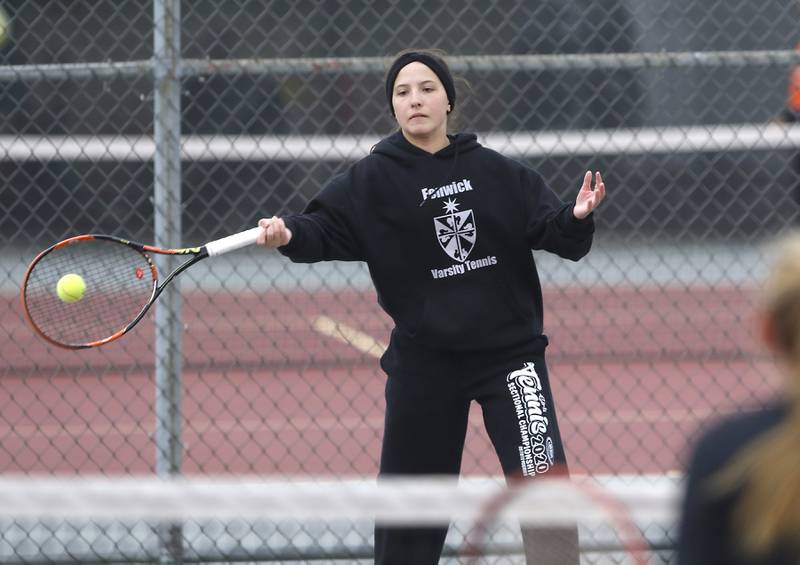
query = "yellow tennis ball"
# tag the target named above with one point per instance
(70, 288)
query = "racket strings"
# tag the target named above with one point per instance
(119, 283)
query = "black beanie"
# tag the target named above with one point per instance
(432, 63)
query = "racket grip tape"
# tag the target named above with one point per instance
(233, 242)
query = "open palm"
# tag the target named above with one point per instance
(589, 197)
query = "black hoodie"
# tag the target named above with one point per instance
(447, 238)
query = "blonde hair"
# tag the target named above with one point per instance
(768, 470)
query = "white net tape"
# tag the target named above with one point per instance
(392, 501)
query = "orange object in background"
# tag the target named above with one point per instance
(793, 98)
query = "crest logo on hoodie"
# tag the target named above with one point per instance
(456, 231)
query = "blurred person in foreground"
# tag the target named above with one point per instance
(446, 227)
(742, 500)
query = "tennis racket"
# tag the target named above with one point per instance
(560, 506)
(120, 283)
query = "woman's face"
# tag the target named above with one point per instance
(420, 102)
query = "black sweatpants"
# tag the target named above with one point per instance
(425, 427)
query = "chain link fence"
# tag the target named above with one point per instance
(177, 123)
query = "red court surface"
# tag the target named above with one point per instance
(635, 373)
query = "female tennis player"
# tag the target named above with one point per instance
(446, 227)
(742, 499)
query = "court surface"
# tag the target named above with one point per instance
(286, 380)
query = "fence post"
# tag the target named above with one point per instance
(167, 208)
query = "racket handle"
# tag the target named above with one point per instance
(233, 242)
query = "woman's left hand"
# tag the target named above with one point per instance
(589, 197)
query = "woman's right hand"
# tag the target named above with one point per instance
(274, 233)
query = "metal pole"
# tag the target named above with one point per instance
(167, 207)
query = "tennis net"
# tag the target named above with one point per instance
(135, 519)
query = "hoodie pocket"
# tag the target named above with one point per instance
(464, 314)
